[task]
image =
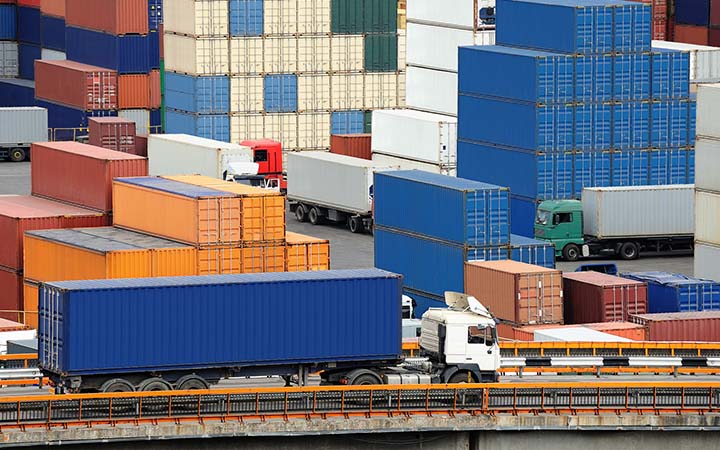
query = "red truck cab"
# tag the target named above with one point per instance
(267, 154)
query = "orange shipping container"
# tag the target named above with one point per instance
(134, 92)
(306, 253)
(111, 16)
(627, 330)
(30, 305)
(53, 8)
(155, 93)
(262, 211)
(229, 260)
(517, 292)
(179, 211)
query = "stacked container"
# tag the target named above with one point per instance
(29, 37)
(52, 33)
(8, 43)
(704, 61)
(296, 71)
(355, 145)
(659, 18)
(591, 106)
(672, 292)
(596, 297)
(685, 326)
(697, 22)
(114, 133)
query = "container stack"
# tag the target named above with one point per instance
(8, 40)
(659, 18)
(590, 107)
(296, 70)
(596, 297)
(52, 33)
(28, 36)
(697, 22)
(704, 61)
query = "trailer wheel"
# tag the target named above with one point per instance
(629, 250)
(355, 224)
(571, 252)
(154, 384)
(191, 383)
(117, 385)
(314, 216)
(17, 155)
(300, 213)
(362, 377)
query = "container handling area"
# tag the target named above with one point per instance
(360, 224)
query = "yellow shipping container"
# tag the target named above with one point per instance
(228, 260)
(306, 253)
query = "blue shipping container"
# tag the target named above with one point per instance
(204, 95)
(632, 27)
(692, 12)
(671, 292)
(670, 124)
(631, 77)
(347, 122)
(27, 54)
(155, 14)
(53, 33)
(280, 93)
(154, 50)
(15, 92)
(8, 22)
(523, 211)
(155, 120)
(631, 125)
(127, 54)
(592, 127)
(70, 122)
(442, 207)
(246, 17)
(670, 74)
(210, 126)
(532, 251)
(630, 168)
(348, 315)
(28, 25)
(513, 73)
(593, 78)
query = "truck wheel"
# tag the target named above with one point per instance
(300, 213)
(154, 384)
(117, 385)
(191, 383)
(629, 250)
(17, 155)
(571, 252)
(461, 377)
(314, 216)
(362, 377)
(355, 224)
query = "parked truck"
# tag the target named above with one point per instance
(191, 332)
(19, 128)
(619, 221)
(337, 188)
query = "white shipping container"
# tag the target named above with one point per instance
(313, 54)
(707, 163)
(141, 117)
(454, 13)
(314, 92)
(707, 217)
(196, 18)
(182, 154)
(280, 17)
(347, 53)
(246, 94)
(410, 164)
(415, 135)
(638, 211)
(381, 90)
(335, 181)
(23, 125)
(708, 109)
(201, 56)
(575, 334)
(431, 90)
(280, 55)
(704, 60)
(707, 261)
(282, 128)
(9, 59)
(436, 47)
(246, 127)
(313, 131)
(402, 50)
(347, 91)
(52, 55)
(247, 56)
(313, 16)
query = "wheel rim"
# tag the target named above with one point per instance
(300, 213)
(16, 155)
(313, 216)
(572, 253)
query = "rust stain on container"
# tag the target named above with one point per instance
(598, 297)
(306, 253)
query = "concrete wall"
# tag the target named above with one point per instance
(594, 440)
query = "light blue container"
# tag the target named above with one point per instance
(246, 17)
(210, 126)
(204, 95)
(347, 122)
(281, 93)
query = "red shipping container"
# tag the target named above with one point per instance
(113, 133)
(21, 213)
(597, 297)
(11, 287)
(703, 326)
(141, 144)
(53, 7)
(81, 174)
(74, 84)
(112, 16)
(714, 13)
(690, 34)
(714, 37)
(134, 91)
(155, 93)
(356, 145)
(33, 3)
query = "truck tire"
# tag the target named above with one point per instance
(314, 216)
(355, 224)
(300, 213)
(154, 384)
(571, 252)
(18, 155)
(191, 383)
(629, 250)
(362, 377)
(461, 377)
(117, 385)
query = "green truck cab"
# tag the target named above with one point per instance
(561, 222)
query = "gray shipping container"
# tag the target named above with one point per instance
(9, 59)
(23, 125)
(639, 211)
(22, 346)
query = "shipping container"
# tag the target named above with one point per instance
(465, 14)
(52, 55)
(668, 292)
(381, 52)
(125, 54)
(54, 8)
(112, 133)
(708, 99)
(627, 330)
(208, 126)
(532, 251)
(280, 93)
(203, 56)
(67, 123)
(156, 91)
(440, 207)
(77, 85)
(248, 258)
(381, 159)
(181, 154)
(363, 16)
(515, 291)
(305, 253)
(364, 304)
(28, 25)
(705, 258)
(692, 12)
(347, 122)
(81, 174)
(155, 15)
(355, 145)
(11, 284)
(53, 32)
(111, 16)
(23, 126)
(441, 99)
(141, 117)
(596, 297)
(30, 303)
(246, 17)
(684, 326)
(575, 334)
(16, 92)
(141, 145)
(9, 63)
(134, 91)
(707, 212)
(435, 47)
(21, 346)
(193, 18)
(691, 34)
(704, 60)
(27, 55)
(8, 22)
(203, 95)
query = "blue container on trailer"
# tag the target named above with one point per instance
(692, 12)
(631, 125)
(155, 14)
(670, 74)
(209, 126)
(280, 93)
(514, 73)
(532, 251)
(246, 17)
(593, 78)
(428, 265)
(8, 22)
(27, 54)
(204, 95)
(424, 301)
(302, 318)
(673, 292)
(347, 122)
(28, 25)
(669, 124)
(16, 92)
(447, 208)
(53, 33)
(127, 54)
(631, 77)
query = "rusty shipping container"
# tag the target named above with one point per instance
(111, 16)
(702, 326)
(19, 213)
(81, 174)
(11, 286)
(356, 145)
(236, 259)
(112, 133)
(305, 253)
(134, 91)
(262, 211)
(517, 292)
(78, 85)
(54, 8)
(155, 89)
(29, 314)
(598, 297)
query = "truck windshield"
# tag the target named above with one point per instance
(543, 217)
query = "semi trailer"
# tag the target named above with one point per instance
(19, 128)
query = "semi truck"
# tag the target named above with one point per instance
(619, 221)
(191, 332)
(335, 188)
(19, 128)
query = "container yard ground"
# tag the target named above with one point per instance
(348, 250)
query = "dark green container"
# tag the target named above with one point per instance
(381, 52)
(367, 122)
(380, 16)
(363, 16)
(347, 16)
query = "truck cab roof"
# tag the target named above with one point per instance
(450, 317)
(560, 205)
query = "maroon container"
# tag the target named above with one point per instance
(81, 174)
(596, 297)
(356, 145)
(141, 145)
(113, 133)
(11, 294)
(21, 213)
(714, 13)
(690, 34)
(703, 326)
(110, 16)
(714, 37)
(79, 85)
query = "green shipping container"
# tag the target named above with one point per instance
(367, 122)
(381, 52)
(363, 16)
(347, 16)
(380, 16)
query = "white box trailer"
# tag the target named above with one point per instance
(431, 90)
(182, 154)
(706, 261)
(337, 188)
(466, 14)
(19, 128)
